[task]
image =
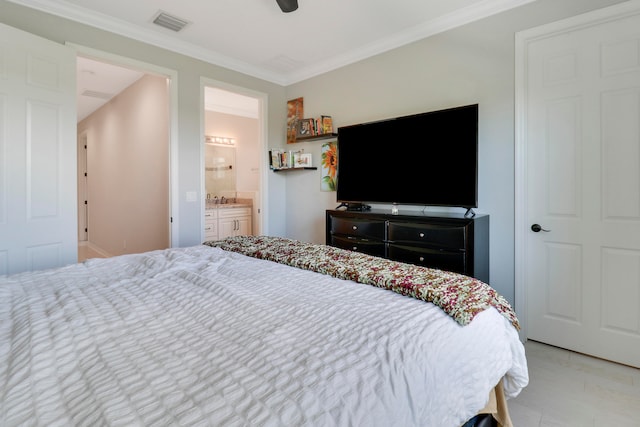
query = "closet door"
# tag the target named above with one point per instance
(581, 155)
(38, 214)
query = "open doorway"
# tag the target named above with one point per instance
(124, 139)
(233, 152)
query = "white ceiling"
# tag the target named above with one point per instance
(98, 82)
(255, 37)
(223, 101)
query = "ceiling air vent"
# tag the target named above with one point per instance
(170, 22)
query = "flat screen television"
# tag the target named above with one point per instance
(422, 159)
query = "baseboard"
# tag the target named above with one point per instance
(95, 248)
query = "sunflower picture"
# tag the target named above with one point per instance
(329, 166)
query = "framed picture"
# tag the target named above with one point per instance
(305, 127)
(303, 161)
(329, 163)
(295, 113)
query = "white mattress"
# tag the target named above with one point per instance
(200, 336)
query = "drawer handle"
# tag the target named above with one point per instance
(355, 248)
(421, 234)
(421, 259)
(355, 227)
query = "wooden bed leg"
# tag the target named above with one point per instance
(495, 414)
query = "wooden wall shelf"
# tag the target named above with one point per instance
(316, 137)
(295, 169)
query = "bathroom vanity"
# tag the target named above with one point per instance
(226, 220)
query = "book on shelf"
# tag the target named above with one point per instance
(327, 124)
(306, 127)
(318, 126)
(274, 157)
(285, 159)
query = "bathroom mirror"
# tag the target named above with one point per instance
(220, 171)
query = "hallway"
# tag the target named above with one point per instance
(85, 252)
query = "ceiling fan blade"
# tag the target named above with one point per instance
(288, 5)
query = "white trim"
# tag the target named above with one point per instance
(264, 149)
(83, 209)
(520, 184)
(578, 22)
(172, 76)
(444, 23)
(86, 16)
(475, 12)
(96, 249)
(523, 39)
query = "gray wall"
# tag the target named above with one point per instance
(467, 65)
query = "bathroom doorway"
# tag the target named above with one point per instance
(233, 149)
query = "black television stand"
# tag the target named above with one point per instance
(443, 240)
(359, 207)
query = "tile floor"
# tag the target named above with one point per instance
(85, 252)
(571, 389)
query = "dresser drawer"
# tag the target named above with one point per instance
(359, 245)
(364, 228)
(443, 236)
(447, 241)
(432, 258)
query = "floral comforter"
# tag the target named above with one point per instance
(460, 296)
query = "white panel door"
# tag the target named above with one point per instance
(582, 161)
(38, 214)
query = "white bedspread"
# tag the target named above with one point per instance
(200, 336)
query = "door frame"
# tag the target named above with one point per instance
(172, 78)
(83, 214)
(262, 98)
(522, 41)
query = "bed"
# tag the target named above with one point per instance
(257, 331)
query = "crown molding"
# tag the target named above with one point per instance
(446, 22)
(120, 27)
(427, 29)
